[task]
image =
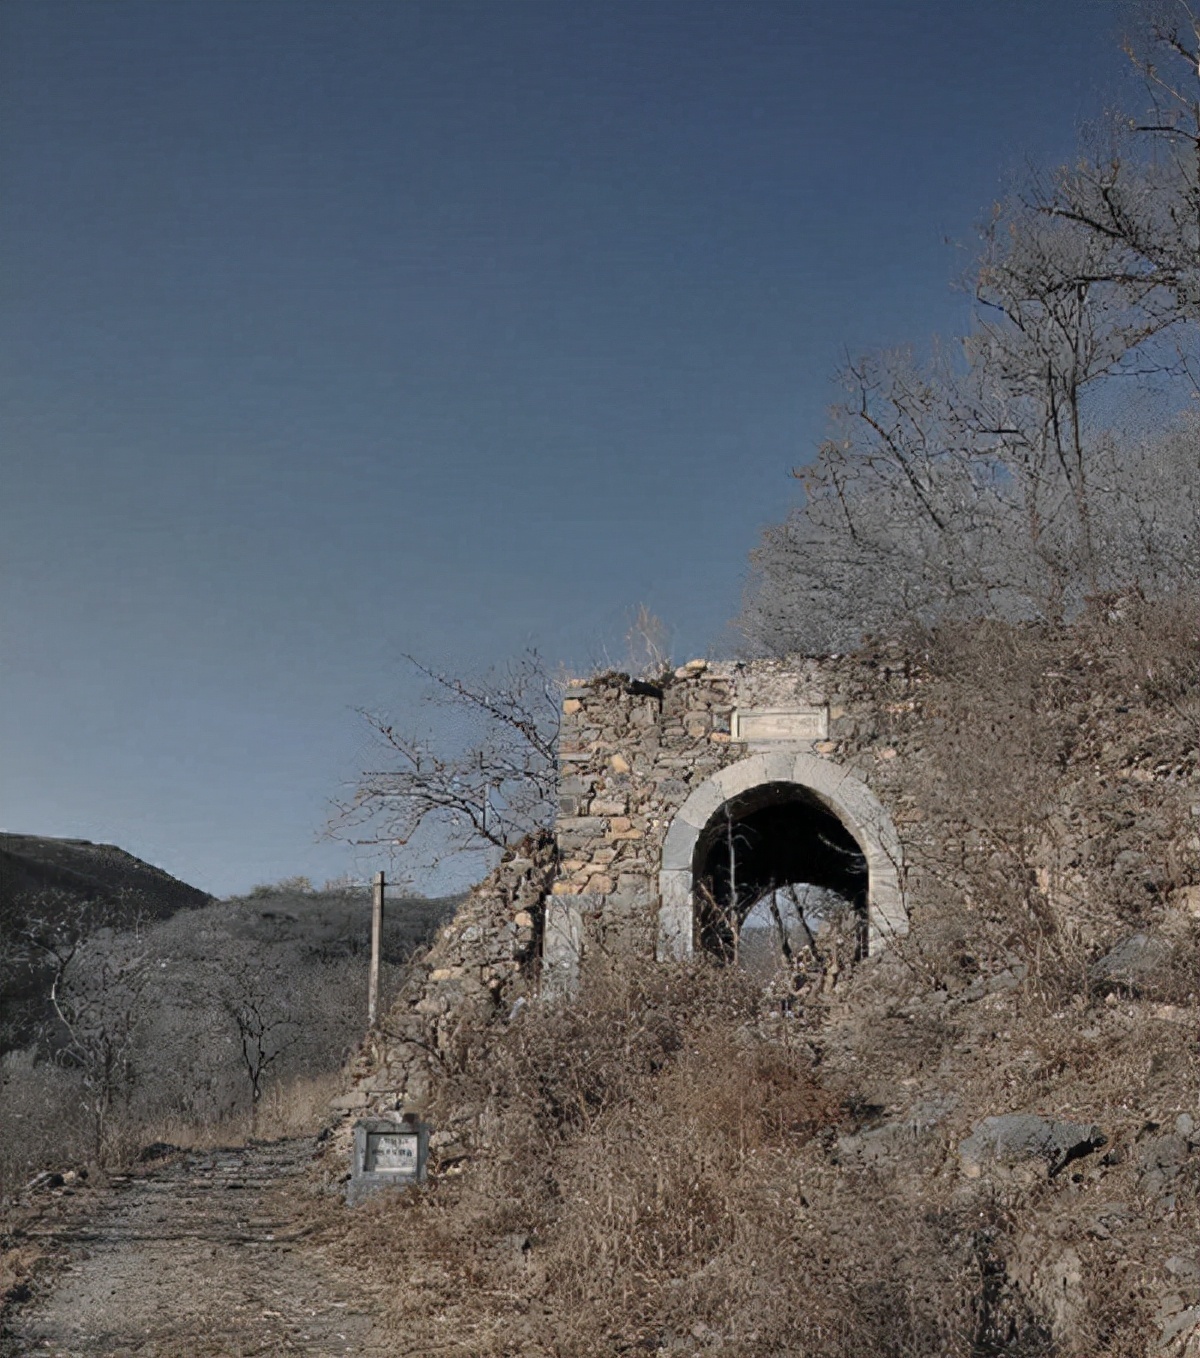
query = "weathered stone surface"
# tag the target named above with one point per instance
(1177, 1326)
(562, 949)
(352, 1099)
(1159, 1161)
(893, 1143)
(1020, 1141)
(1187, 899)
(1132, 963)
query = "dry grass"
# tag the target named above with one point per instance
(653, 1172)
(294, 1107)
(670, 1165)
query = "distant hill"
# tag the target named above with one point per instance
(77, 870)
(330, 923)
(49, 879)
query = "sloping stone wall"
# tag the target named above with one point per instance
(476, 969)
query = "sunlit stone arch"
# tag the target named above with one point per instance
(834, 787)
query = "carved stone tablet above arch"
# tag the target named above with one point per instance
(847, 797)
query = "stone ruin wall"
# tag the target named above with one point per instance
(632, 755)
(632, 752)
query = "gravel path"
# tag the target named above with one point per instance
(214, 1253)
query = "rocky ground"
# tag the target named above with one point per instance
(200, 1254)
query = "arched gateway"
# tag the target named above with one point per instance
(802, 801)
(690, 808)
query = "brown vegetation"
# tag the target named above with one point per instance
(692, 1161)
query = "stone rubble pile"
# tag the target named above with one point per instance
(477, 967)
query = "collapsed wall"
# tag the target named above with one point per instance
(1023, 1060)
(635, 755)
(1065, 805)
(478, 966)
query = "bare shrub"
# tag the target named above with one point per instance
(1049, 455)
(481, 790)
(651, 1172)
(40, 1102)
(1049, 767)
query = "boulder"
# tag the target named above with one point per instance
(893, 1143)
(1159, 1161)
(1132, 963)
(1025, 1143)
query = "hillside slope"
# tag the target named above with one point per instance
(78, 870)
(982, 1141)
(71, 885)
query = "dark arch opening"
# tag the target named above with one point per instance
(775, 859)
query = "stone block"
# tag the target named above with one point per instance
(575, 831)
(674, 932)
(675, 888)
(388, 1153)
(562, 944)
(1022, 1144)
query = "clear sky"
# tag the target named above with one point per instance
(333, 331)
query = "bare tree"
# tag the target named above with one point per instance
(496, 788)
(1042, 460)
(98, 985)
(257, 998)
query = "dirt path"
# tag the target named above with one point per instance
(214, 1253)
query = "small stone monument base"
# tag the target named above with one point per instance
(388, 1152)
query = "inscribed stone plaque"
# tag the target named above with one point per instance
(388, 1152)
(780, 725)
(391, 1153)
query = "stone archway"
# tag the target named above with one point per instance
(833, 787)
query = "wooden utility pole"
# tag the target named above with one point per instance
(376, 948)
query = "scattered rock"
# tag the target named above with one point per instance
(1131, 964)
(1021, 1141)
(47, 1179)
(156, 1150)
(998, 982)
(894, 1141)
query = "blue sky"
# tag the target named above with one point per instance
(334, 331)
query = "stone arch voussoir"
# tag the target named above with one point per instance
(846, 796)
